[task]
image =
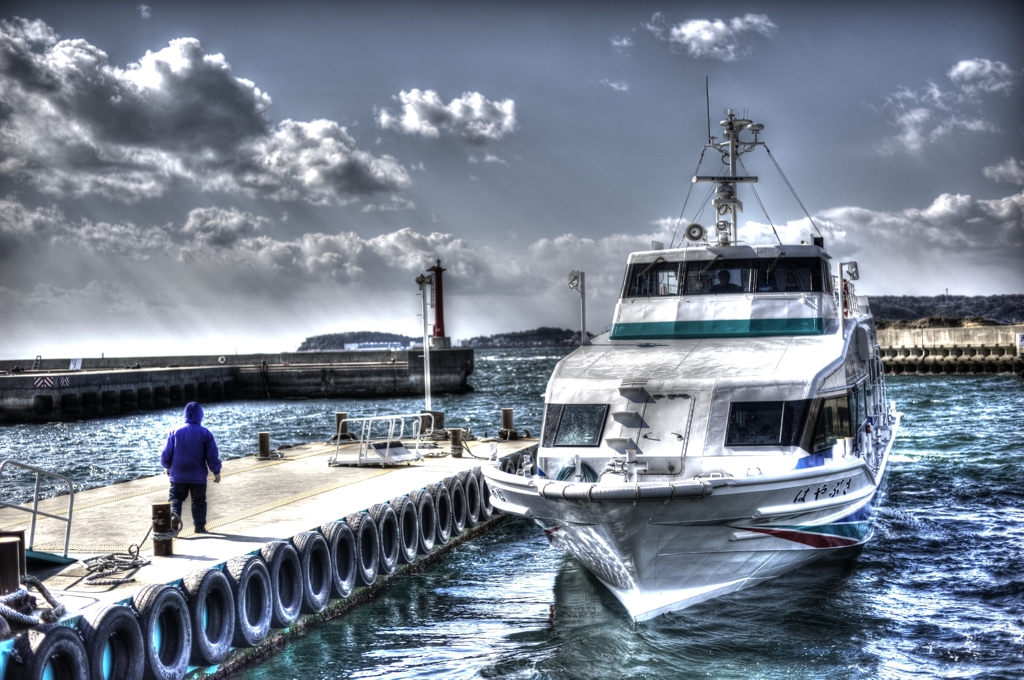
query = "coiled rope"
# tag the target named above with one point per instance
(102, 567)
(22, 600)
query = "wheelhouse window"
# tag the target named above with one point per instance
(767, 423)
(720, 276)
(833, 422)
(574, 424)
(654, 279)
(790, 274)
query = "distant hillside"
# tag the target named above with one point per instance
(538, 337)
(1002, 309)
(333, 341)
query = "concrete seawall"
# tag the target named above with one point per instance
(983, 349)
(48, 390)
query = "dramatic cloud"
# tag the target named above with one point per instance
(222, 228)
(1011, 170)
(472, 117)
(982, 75)
(74, 124)
(714, 39)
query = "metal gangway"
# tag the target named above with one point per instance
(34, 510)
(383, 451)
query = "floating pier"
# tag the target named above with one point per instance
(44, 390)
(983, 349)
(293, 542)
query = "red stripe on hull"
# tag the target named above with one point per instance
(812, 540)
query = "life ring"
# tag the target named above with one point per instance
(315, 559)
(367, 546)
(458, 495)
(424, 504)
(408, 528)
(253, 597)
(443, 511)
(285, 582)
(52, 651)
(342, 544)
(166, 632)
(113, 643)
(486, 508)
(221, 360)
(390, 540)
(472, 489)
(211, 611)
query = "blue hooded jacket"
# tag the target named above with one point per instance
(191, 449)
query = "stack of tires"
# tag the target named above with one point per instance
(167, 629)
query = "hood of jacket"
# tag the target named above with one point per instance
(193, 413)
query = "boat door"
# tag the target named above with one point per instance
(664, 429)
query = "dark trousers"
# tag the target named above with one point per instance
(180, 491)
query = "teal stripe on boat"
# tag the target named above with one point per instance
(717, 328)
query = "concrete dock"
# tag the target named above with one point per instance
(257, 501)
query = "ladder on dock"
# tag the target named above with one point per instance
(383, 451)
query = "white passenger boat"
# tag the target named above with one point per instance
(730, 428)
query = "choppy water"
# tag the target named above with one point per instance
(938, 592)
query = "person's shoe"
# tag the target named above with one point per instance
(175, 522)
(201, 530)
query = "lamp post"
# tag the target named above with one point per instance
(424, 280)
(577, 281)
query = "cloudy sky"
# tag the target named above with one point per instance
(204, 178)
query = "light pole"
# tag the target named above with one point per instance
(577, 281)
(424, 280)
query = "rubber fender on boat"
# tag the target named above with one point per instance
(211, 611)
(471, 487)
(390, 540)
(285, 582)
(52, 651)
(367, 546)
(408, 528)
(458, 495)
(116, 626)
(315, 561)
(341, 543)
(253, 597)
(443, 511)
(166, 632)
(508, 465)
(425, 511)
(486, 508)
(624, 492)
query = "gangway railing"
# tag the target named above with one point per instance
(35, 511)
(383, 451)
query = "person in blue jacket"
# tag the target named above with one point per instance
(190, 451)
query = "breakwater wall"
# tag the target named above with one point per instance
(49, 389)
(983, 349)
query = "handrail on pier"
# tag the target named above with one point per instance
(35, 511)
(366, 437)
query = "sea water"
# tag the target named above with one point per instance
(938, 591)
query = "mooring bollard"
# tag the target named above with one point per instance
(339, 426)
(10, 564)
(162, 547)
(264, 446)
(508, 428)
(456, 440)
(425, 423)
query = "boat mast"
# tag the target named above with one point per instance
(726, 205)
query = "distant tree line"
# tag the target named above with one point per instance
(333, 341)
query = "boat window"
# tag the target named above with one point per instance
(653, 279)
(767, 423)
(787, 274)
(579, 424)
(720, 276)
(833, 422)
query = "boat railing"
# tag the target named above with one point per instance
(34, 510)
(383, 450)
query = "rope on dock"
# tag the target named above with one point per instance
(102, 567)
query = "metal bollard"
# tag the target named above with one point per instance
(264, 446)
(507, 419)
(456, 440)
(162, 547)
(10, 564)
(339, 426)
(425, 422)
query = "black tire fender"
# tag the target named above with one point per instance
(211, 611)
(427, 515)
(315, 559)
(166, 631)
(390, 536)
(341, 543)
(253, 596)
(458, 495)
(408, 528)
(52, 651)
(117, 626)
(486, 507)
(472, 488)
(367, 546)
(443, 511)
(285, 582)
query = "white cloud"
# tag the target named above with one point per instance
(621, 44)
(656, 25)
(221, 228)
(145, 11)
(76, 125)
(472, 116)
(718, 39)
(617, 85)
(975, 76)
(1011, 170)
